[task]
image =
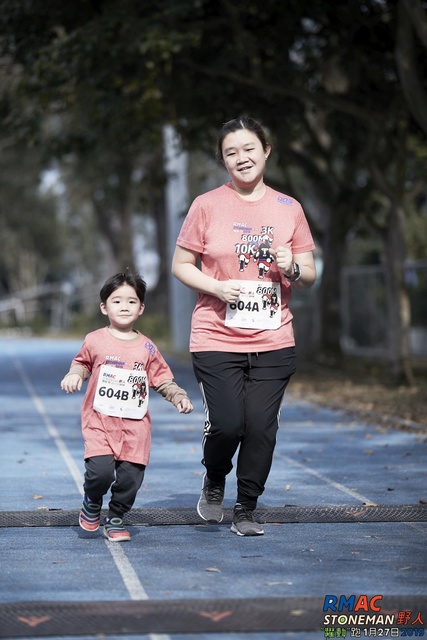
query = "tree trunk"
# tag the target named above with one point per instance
(160, 294)
(333, 253)
(125, 256)
(411, 16)
(116, 224)
(399, 314)
(399, 310)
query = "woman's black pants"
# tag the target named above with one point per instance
(242, 395)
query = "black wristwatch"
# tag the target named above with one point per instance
(296, 274)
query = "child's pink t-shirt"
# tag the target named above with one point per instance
(126, 439)
(232, 236)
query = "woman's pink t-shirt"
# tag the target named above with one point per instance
(231, 235)
(126, 439)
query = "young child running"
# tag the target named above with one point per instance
(122, 364)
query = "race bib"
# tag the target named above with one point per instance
(258, 307)
(121, 393)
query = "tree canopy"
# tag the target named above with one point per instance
(341, 87)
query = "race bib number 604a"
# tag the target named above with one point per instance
(121, 393)
(258, 307)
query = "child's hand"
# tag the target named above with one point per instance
(185, 406)
(71, 383)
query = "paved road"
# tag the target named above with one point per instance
(326, 463)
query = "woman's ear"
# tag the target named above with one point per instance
(141, 311)
(103, 309)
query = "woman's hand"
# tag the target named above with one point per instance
(284, 260)
(285, 263)
(228, 290)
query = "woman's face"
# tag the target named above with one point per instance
(244, 158)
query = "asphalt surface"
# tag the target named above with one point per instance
(324, 458)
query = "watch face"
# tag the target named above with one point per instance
(296, 274)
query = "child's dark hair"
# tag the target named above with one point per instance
(243, 122)
(134, 280)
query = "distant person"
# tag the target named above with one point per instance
(242, 341)
(116, 423)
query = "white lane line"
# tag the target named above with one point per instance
(344, 489)
(326, 480)
(52, 430)
(131, 581)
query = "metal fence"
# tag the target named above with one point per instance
(364, 309)
(54, 303)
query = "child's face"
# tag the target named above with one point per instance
(123, 307)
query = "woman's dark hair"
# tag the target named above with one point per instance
(243, 122)
(134, 280)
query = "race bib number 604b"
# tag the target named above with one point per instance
(258, 307)
(121, 393)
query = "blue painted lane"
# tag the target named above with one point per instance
(323, 457)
